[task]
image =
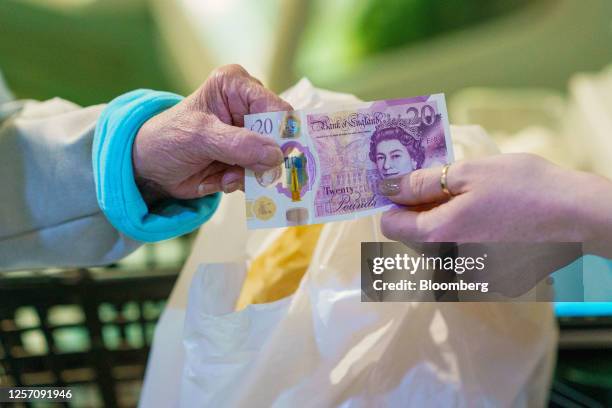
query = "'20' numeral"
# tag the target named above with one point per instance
(262, 126)
(427, 115)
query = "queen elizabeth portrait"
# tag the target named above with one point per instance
(396, 149)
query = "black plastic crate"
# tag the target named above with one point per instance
(89, 330)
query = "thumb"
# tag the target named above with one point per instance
(406, 225)
(238, 146)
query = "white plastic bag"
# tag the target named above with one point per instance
(322, 346)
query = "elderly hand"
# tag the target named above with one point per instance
(199, 147)
(509, 197)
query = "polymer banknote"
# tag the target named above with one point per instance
(336, 157)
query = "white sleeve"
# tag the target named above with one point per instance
(49, 215)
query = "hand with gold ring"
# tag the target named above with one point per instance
(508, 197)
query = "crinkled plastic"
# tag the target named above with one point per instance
(322, 346)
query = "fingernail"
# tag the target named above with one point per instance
(271, 155)
(390, 187)
(231, 187)
(205, 189)
(231, 179)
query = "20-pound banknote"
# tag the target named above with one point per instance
(336, 157)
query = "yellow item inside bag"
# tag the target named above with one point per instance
(276, 273)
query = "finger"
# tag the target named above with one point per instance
(445, 222)
(233, 179)
(239, 147)
(204, 182)
(210, 185)
(261, 99)
(422, 207)
(419, 187)
(400, 224)
(237, 93)
(254, 79)
(252, 97)
(214, 168)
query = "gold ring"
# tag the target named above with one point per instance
(444, 182)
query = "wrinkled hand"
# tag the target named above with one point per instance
(198, 147)
(508, 197)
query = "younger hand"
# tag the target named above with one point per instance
(508, 197)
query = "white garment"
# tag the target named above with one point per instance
(49, 214)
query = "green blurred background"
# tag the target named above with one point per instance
(90, 51)
(86, 54)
